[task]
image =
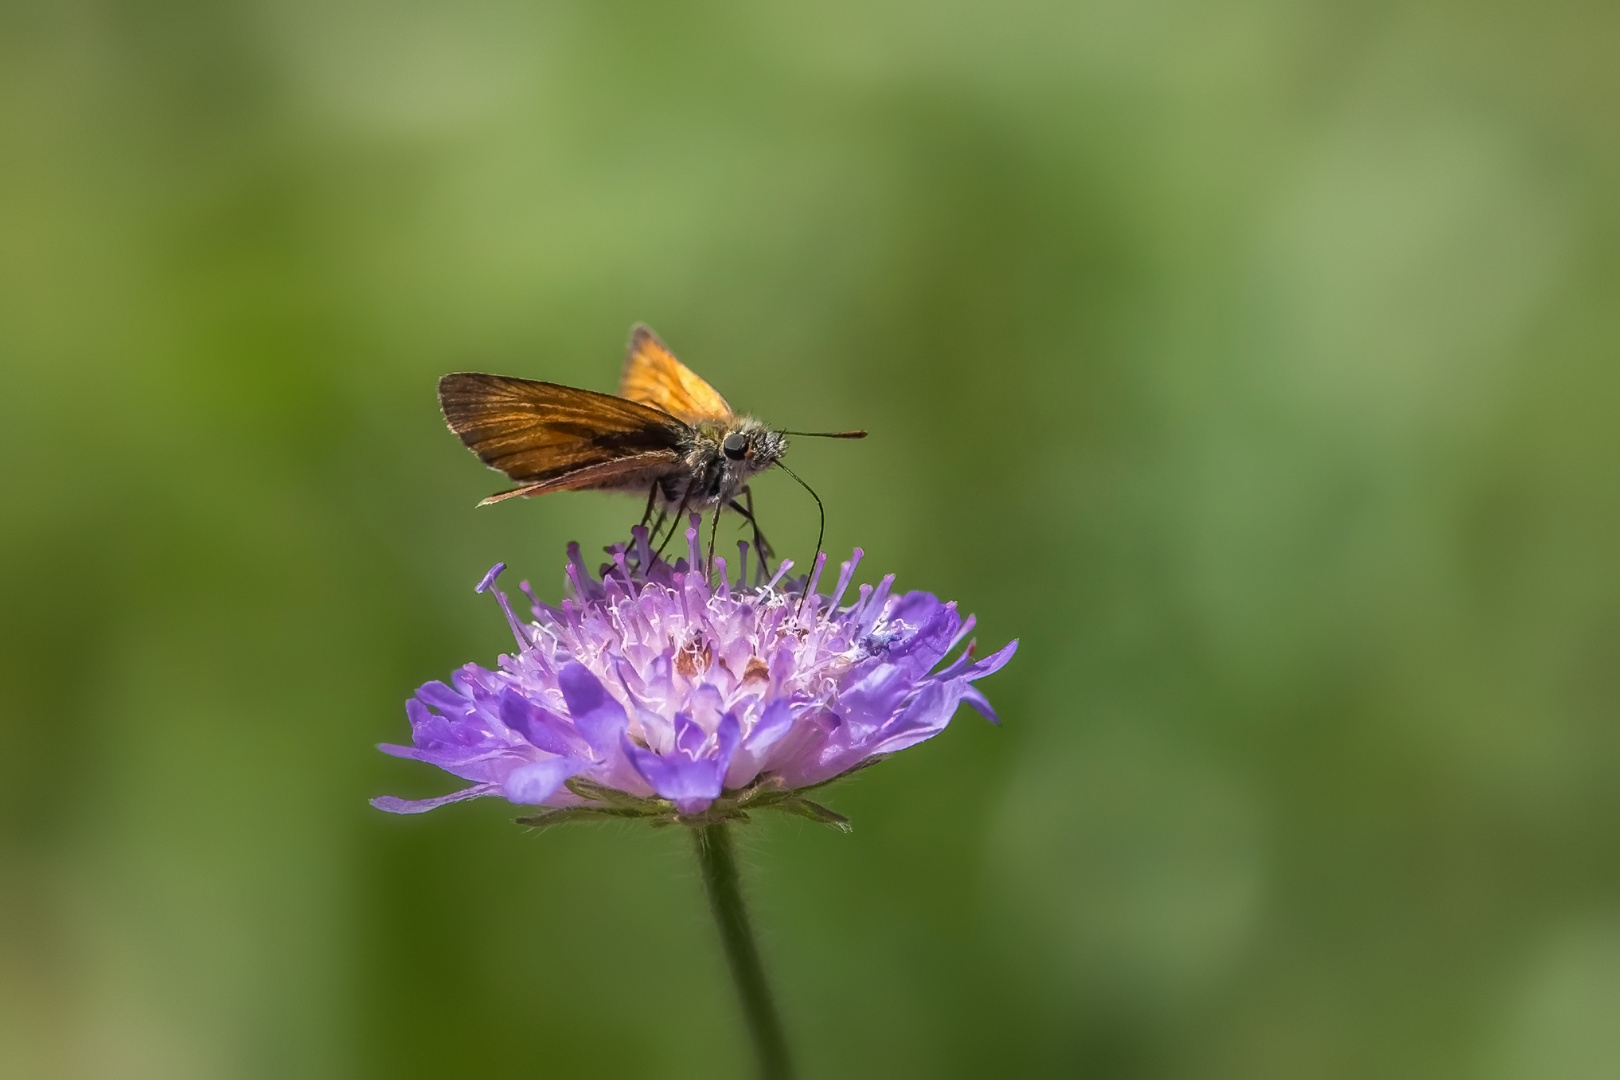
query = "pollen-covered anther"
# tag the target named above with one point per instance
(694, 657)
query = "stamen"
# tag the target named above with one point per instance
(489, 578)
(621, 559)
(815, 574)
(872, 609)
(692, 541)
(781, 572)
(643, 548)
(488, 585)
(577, 573)
(856, 608)
(810, 595)
(539, 609)
(846, 574)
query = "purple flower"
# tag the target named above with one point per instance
(653, 693)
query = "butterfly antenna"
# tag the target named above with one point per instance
(828, 434)
(821, 529)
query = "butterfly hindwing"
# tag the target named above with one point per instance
(652, 376)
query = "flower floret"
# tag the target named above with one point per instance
(656, 690)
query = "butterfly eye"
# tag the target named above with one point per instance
(735, 446)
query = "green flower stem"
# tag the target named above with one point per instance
(718, 860)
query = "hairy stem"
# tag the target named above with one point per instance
(718, 860)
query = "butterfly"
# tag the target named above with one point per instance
(667, 434)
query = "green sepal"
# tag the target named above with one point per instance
(567, 814)
(814, 811)
(590, 789)
(719, 811)
(767, 792)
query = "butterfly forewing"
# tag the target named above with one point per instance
(654, 377)
(555, 437)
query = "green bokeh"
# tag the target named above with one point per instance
(1257, 364)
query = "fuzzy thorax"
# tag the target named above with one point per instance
(722, 458)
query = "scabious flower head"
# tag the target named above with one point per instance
(655, 692)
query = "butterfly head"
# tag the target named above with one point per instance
(749, 447)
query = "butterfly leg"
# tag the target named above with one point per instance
(662, 488)
(652, 536)
(675, 526)
(760, 543)
(714, 530)
(652, 499)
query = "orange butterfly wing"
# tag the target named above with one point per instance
(654, 377)
(558, 438)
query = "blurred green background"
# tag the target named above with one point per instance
(1254, 363)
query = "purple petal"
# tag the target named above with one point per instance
(690, 785)
(925, 717)
(975, 698)
(962, 632)
(775, 723)
(689, 737)
(915, 607)
(440, 732)
(541, 727)
(876, 694)
(445, 757)
(539, 780)
(992, 663)
(595, 714)
(443, 698)
(479, 766)
(926, 645)
(417, 712)
(396, 805)
(727, 738)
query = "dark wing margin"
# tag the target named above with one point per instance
(555, 438)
